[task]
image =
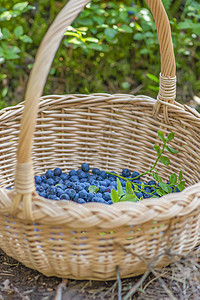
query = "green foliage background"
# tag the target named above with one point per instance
(111, 47)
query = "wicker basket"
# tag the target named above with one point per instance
(66, 239)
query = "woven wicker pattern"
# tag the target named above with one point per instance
(111, 132)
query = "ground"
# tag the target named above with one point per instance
(180, 280)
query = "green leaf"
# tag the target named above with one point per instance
(129, 197)
(119, 188)
(157, 148)
(18, 31)
(94, 46)
(153, 77)
(125, 28)
(11, 53)
(139, 36)
(99, 20)
(173, 178)
(110, 32)
(160, 192)
(157, 177)
(20, 6)
(161, 136)
(93, 189)
(91, 39)
(142, 186)
(170, 136)
(171, 150)
(129, 189)
(180, 177)
(165, 187)
(114, 196)
(135, 187)
(85, 22)
(26, 39)
(6, 33)
(165, 160)
(181, 186)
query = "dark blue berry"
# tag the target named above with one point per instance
(53, 197)
(74, 178)
(51, 190)
(72, 172)
(50, 181)
(106, 196)
(102, 189)
(126, 173)
(43, 177)
(96, 171)
(81, 201)
(65, 197)
(83, 194)
(135, 174)
(139, 195)
(82, 175)
(57, 172)
(71, 193)
(85, 167)
(90, 196)
(103, 174)
(43, 194)
(38, 180)
(151, 182)
(64, 176)
(49, 174)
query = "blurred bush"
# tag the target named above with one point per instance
(111, 47)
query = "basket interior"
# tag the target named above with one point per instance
(110, 132)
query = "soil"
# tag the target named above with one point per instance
(180, 280)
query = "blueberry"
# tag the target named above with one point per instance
(57, 179)
(43, 177)
(74, 178)
(59, 192)
(106, 196)
(146, 196)
(83, 180)
(71, 193)
(68, 183)
(61, 186)
(51, 190)
(102, 189)
(64, 176)
(147, 189)
(177, 190)
(83, 194)
(49, 174)
(103, 175)
(105, 182)
(139, 195)
(110, 202)
(50, 181)
(43, 194)
(72, 172)
(82, 175)
(96, 171)
(86, 186)
(151, 182)
(90, 196)
(81, 201)
(44, 185)
(57, 172)
(85, 167)
(78, 188)
(93, 177)
(126, 173)
(65, 197)
(53, 197)
(40, 188)
(135, 174)
(38, 180)
(101, 200)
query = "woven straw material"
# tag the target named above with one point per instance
(112, 132)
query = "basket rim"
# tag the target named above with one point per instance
(46, 211)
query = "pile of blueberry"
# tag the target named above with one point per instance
(75, 185)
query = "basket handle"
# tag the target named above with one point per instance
(24, 183)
